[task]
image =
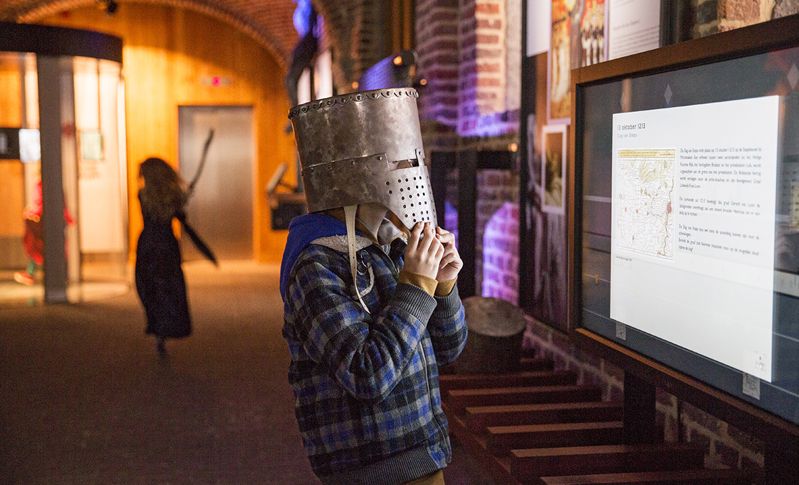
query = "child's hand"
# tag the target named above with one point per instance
(424, 251)
(451, 263)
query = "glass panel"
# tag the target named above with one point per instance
(20, 209)
(100, 232)
(93, 171)
(656, 227)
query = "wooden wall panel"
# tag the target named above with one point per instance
(11, 181)
(168, 54)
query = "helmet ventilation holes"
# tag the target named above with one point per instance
(413, 191)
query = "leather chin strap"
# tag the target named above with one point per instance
(349, 216)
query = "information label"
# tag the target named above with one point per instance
(634, 27)
(693, 224)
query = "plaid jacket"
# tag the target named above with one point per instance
(366, 388)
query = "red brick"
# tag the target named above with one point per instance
(693, 436)
(703, 419)
(483, 52)
(495, 24)
(488, 39)
(727, 454)
(442, 16)
(489, 82)
(746, 10)
(490, 8)
(493, 68)
(445, 30)
(745, 440)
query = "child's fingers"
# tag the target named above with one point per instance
(416, 234)
(427, 239)
(448, 258)
(439, 252)
(444, 236)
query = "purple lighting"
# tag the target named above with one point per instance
(302, 16)
(489, 124)
(500, 254)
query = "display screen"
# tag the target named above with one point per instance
(690, 221)
(30, 149)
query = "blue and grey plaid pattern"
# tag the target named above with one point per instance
(366, 385)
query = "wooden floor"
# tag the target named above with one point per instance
(539, 426)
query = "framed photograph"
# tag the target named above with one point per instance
(578, 38)
(553, 169)
(559, 62)
(590, 39)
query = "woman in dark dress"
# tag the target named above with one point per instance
(159, 276)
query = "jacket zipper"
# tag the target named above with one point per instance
(420, 347)
(430, 395)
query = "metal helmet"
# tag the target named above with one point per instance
(362, 148)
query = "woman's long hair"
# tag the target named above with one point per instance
(163, 193)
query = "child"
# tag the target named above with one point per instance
(160, 282)
(369, 317)
(33, 240)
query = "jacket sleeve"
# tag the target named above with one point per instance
(365, 353)
(447, 327)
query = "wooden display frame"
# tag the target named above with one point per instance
(780, 436)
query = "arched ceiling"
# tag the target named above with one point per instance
(269, 22)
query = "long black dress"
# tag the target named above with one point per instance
(159, 279)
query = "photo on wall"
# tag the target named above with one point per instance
(590, 41)
(553, 169)
(559, 62)
(578, 39)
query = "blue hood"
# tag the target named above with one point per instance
(302, 231)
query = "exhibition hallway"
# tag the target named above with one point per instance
(85, 399)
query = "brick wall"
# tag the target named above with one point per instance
(470, 53)
(483, 75)
(553, 344)
(713, 16)
(500, 248)
(725, 445)
(495, 190)
(437, 50)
